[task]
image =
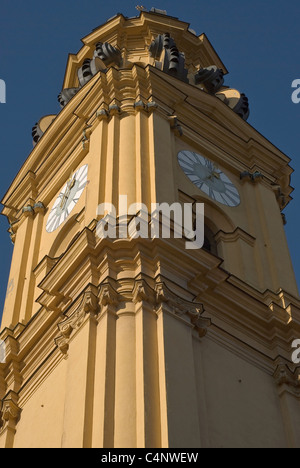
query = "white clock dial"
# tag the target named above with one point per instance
(209, 178)
(67, 199)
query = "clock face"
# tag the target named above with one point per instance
(209, 178)
(67, 199)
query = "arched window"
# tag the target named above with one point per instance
(210, 244)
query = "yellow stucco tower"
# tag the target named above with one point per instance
(134, 342)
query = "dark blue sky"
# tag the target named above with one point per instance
(258, 41)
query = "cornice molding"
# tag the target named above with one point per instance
(234, 236)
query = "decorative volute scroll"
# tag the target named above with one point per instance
(85, 72)
(168, 58)
(40, 127)
(105, 55)
(39, 207)
(143, 293)
(237, 101)
(108, 54)
(161, 42)
(187, 310)
(284, 377)
(251, 176)
(88, 305)
(36, 133)
(66, 95)
(242, 107)
(211, 77)
(163, 52)
(89, 69)
(108, 297)
(10, 412)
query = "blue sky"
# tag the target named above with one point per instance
(258, 42)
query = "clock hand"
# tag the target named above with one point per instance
(214, 174)
(70, 185)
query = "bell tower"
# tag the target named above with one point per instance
(134, 342)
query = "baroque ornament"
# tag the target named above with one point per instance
(40, 127)
(169, 59)
(212, 78)
(108, 54)
(105, 55)
(88, 305)
(189, 311)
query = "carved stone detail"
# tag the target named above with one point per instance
(168, 58)
(104, 55)
(140, 106)
(152, 106)
(84, 72)
(285, 377)
(182, 308)
(114, 109)
(281, 198)
(211, 77)
(237, 101)
(66, 95)
(161, 42)
(252, 176)
(102, 114)
(107, 295)
(36, 133)
(108, 54)
(142, 292)
(39, 207)
(40, 127)
(242, 107)
(10, 412)
(88, 305)
(89, 69)
(28, 211)
(175, 125)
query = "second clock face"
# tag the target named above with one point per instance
(209, 178)
(67, 199)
